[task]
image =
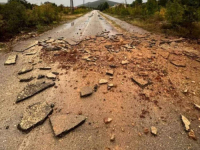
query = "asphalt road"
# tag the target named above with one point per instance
(123, 104)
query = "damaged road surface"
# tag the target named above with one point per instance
(33, 89)
(114, 86)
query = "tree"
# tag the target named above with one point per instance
(23, 2)
(152, 6)
(175, 11)
(163, 2)
(103, 6)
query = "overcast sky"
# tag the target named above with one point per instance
(67, 2)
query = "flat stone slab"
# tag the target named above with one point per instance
(103, 81)
(33, 89)
(178, 63)
(45, 68)
(110, 72)
(86, 91)
(51, 76)
(34, 115)
(25, 69)
(26, 79)
(140, 82)
(11, 60)
(63, 124)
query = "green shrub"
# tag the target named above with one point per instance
(174, 13)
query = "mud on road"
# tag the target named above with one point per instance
(141, 91)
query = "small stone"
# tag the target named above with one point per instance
(34, 115)
(86, 91)
(154, 130)
(191, 134)
(51, 76)
(95, 87)
(146, 130)
(112, 138)
(186, 122)
(103, 81)
(125, 62)
(110, 72)
(107, 120)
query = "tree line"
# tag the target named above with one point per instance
(18, 15)
(183, 15)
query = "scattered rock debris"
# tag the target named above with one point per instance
(34, 115)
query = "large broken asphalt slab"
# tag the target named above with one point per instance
(34, 115)
(32, 89)
(62, 124)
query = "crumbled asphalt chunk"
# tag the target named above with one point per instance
(51, 76)
(32, 89)
(11, 60)
(27, 79)
(186, 123)
(34, 115)
(45, 68)
(40, 76)
(103, 81)
(62, 124)
(56, 73)
(110, 72)
(86, 91)
(25, 69)
(140, 82)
